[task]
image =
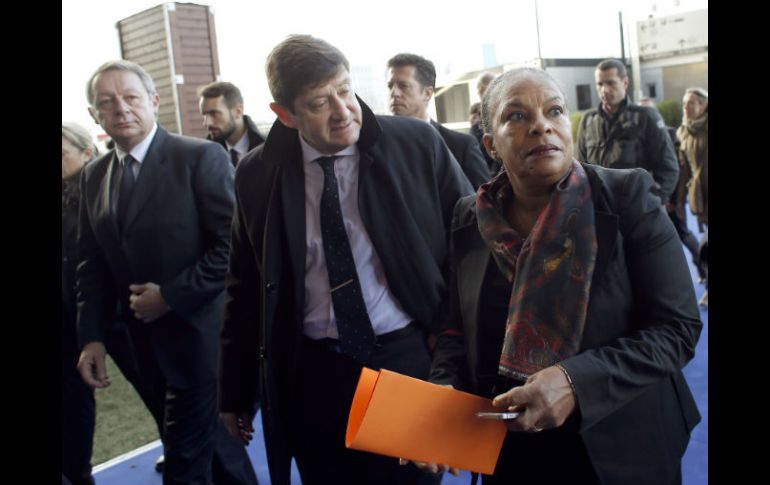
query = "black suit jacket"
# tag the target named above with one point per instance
(408, 185)
(176, 234)
(642, 325)
(465, 149)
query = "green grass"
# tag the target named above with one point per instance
(122, 422)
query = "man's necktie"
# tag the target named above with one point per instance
(355, 329)
(125, 189)
(234, 157)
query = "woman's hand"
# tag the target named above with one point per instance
(546, 400)
(432, 467)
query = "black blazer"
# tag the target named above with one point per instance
(642, 326)
(466, 151)
(176, 234)
(408, 185)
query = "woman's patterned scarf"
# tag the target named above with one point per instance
(551, 271)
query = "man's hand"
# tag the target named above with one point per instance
(91, 365)
(147, 302)
(546, 400)
(239, 426)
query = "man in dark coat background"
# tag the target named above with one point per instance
(411, 85)
(221, 105)
(620, 134)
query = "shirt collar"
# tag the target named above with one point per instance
(310, 154)
(242, 145)
(139, 152)
(621, 107)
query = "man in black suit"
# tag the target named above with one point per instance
(155, 218)
(338, 260)
(221, 105)
(411, 84)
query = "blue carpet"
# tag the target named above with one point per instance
(695, 460)
(139, 469)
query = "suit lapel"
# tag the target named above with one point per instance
(605, 223)
(106, 204)
(152, 173)
(606, 226)
(470, 275)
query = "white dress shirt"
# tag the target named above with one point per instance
(385, 312)
(139, 152)
(242, 146)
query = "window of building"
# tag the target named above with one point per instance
(583, 96)
(651, 90)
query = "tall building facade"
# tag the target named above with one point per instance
(176, 44)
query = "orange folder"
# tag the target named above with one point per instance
(399, 416)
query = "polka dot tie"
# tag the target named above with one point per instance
(355, 329)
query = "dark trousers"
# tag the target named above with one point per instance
(551, 457)
(122, 351)
(703, 252)
(688, 239)
(321, 402)
(197, 447)
(77, 423)
(78, 405)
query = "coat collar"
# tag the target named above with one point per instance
(605, 221)
(151, 174)
(282, 144)
(255, 138)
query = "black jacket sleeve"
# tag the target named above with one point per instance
(660, 156)
(666, 320)
(212, 185)
(96, 297)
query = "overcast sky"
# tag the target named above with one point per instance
(451, 33)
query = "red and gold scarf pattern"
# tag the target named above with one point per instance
(551, 271)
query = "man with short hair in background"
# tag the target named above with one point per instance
(411, 85)
(620, 134)
(476, 131)
(221, 106)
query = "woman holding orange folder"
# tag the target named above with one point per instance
(571, 302)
